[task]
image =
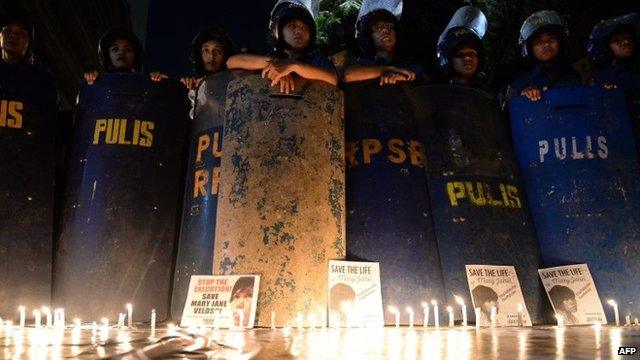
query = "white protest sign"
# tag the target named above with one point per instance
(573, 294)
(497, 287)
(355, 296)
(223, 301)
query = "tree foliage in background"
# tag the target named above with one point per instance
(336, 23)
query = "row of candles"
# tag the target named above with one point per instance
(56, 319)
(436, 314)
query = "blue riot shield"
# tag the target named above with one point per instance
(477, 200)
(27, 128)
(388, 211)
(119, 220)
(197, 232)
(578, 159)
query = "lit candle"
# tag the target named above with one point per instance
(396, 313)
(478, 317)
(450, 311)
(121, 320)
(425, 314)
(311, 320)
(615, 311)
(323, 318)
(560, 320)
(77, 323)
(627, 320)
(22, 316)
(129, 316)
(240, 319)
(410, 312)
(105, 325)
(519, 308)
(37, 322)
(463, 309)
(300, 322)
(436, 314)
(494, 315)
(273, 320)
(153, 320)
(47, 313)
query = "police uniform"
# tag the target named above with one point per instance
(372, 11)
(625, 77)
(543, 76)
(607, 72)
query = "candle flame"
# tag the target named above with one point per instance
(424, 304)
(459, 299)
(449, 309)
(409, 310)
(434, 303)
(36, 312)
(21, 308)
(129, 307)
(393, 309)
(611, 302)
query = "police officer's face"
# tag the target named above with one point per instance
(14, 41)
(546, 47)
(122, 55)
(383, 34)
(621, 46)
(212, 55)
(296, 34)
(465, 61)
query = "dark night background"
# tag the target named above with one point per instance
(67, 31)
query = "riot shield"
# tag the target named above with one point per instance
(577, 154)
(27, 128)
(119, 221)
(388, 213)
(281, 204)
(477, 200)
(197, 232)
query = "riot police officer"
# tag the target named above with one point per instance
(119, 50)
(16, 41)
(543, 40)
(210, 49)
(293, 27)
(377, 30)
(613, 49)
(460, 48)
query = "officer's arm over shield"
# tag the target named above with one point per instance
(377, 31)
(543, 40)
(294, 30)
